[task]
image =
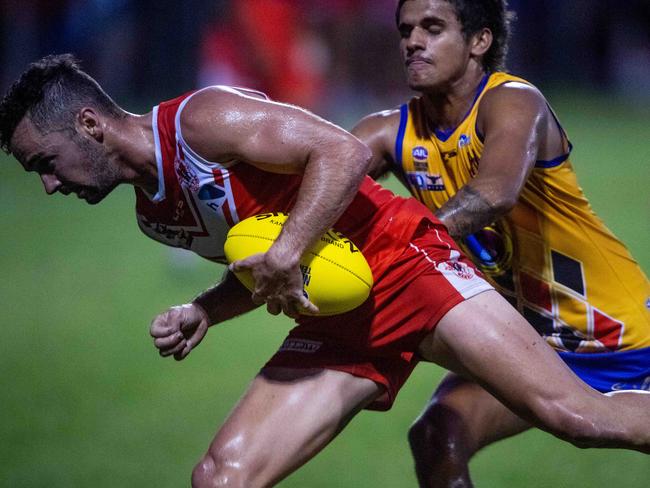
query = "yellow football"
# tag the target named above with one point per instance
(336, 276)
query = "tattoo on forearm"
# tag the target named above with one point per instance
(467, 212)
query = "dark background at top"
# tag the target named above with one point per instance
(337, 57)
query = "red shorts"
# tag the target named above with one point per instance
(378, 340)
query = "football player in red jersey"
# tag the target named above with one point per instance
(212, 157)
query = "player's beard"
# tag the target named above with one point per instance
(103, 175)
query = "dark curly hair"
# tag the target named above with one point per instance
(473, 16)
(51, 92)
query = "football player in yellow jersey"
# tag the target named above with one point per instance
(486, 153)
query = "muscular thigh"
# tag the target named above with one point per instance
(286, 416)
(485, 339)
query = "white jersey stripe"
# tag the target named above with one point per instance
(200, 161)
(231, 199)
(186, 147)
(160, 196)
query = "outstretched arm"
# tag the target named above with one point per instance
(513, 120)
(222, 123)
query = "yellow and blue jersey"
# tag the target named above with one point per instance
(551, 256)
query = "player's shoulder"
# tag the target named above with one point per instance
(227, 91)
(208, 101)
(210, 110)
(513, 94)
(513, 103)
(381, 119)
(205, 118)
(379, 125)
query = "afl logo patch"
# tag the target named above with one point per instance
(464, 140)
(420, 153)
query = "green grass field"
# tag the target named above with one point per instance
(87, 402)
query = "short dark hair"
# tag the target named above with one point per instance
(51, 91)
(473, 16)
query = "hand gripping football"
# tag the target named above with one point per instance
(336, 276)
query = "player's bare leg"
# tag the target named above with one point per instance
(486, 339)
(460, 419)
(284, 419)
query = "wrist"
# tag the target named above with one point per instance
(203, 309)
(284, 256)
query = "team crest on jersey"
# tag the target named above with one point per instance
(464, 140)
(186, 174)
(459, 269)
(420, 153)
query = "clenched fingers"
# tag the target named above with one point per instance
(169, 341)
(173, 350)
(164, 326)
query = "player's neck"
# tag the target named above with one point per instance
(447, 107)
(133, 149)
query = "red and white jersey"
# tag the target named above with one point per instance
(198, 201)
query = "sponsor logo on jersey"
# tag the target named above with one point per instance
(647, 303)
(642, 387)
(459, 269)
(464, 140)
(179, 211)
(170, 235)
(420, 153)
(212, 195)
(300, 345)
(186, 175)
(211, 192)
(425, 181)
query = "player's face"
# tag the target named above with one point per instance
(432, 44)
(66, 163)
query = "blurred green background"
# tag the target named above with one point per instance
(87, 401)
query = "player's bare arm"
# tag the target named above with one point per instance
(379, 131)
(180, 329)
(226, 300)
(513, 119)
(222, 124)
